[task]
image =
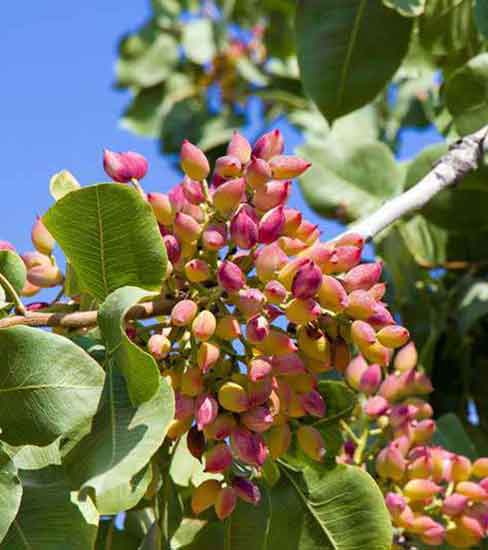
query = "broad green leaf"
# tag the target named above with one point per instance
(30, 457)
(10, 493)
(350, 182)
(451, 435)
(466, 95)
(338, 509)
(340, 401)
(62, 183)
(139, 367)
(481, 16)
(13, 269)
(473, 306)
(342, 52)
(121, 443)
(50, 516)
(48, 386)
(110, 236)
(198, 41)
(408, 8)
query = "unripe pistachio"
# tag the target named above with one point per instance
(390, 463)
(206, 409)
(178, 428)
(306, 281)
(197, 271)
(362, 334)
(395, 504)
(246, 490)
(259, 368)
(259, 392)
(293, 219)
(195, 441)
(269, 145)
(184, 406)
(192, 382)
(480, 468)
(277, 343)
(45, 276)
(230, 276)
(466, 533)
(302, 311)
(249, 447)
(472, 490)
(370, 380)
(123, 167)
(41, 238)
(204, 496)
(225, 503)
(406, 358)
(272, 194)
(376, 406)
(377, 291)
(258, 173)
(288, 364)
(275, 292)
(355, 370)
(362, 277)
(377, 353)
(183, 313)
(161, 207)
(400, 414)
(257, 329)
(214, 237)
(314, 403)
(233, 397)
(187, 229)
(295, 406)
(220, 428)
(271, 225)
(158, 346)
(193, 191)
(292, 247)
(332, 295)
(193, 161)
(341, 355)
(258, 419)
(393, 336)
(173, 248)
(307, 232)
(269, 261)
(361, 305)
(343, 259)
(240, 148)
(218, 459)
(422, 384)
(207, 356)
(454, 505)
(421, 467)
(244, 228)
(203, 326)
(288, 167)
(229, 195)
(313, 344)
(421, 489)
(311, 442)
(228, 328)
(228, 166)
(460, 467)
(249, 301)
(278, 439)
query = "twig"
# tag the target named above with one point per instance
(463, 157)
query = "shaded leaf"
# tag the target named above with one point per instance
(451, 435)
(10, 493)
(62, 183)
(48, 386)
(481, 16)
(30, 457)
(121, 443)
(110, 236)
(473, 306)
(341, 51)
(408, 8)
(13, 269)
(120, 540)
(139, 367)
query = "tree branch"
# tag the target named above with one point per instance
(463, 157)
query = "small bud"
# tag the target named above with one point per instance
(45, 276)
(230, 277)
(288, 167)
(390, 463)
(269, 145)
(271, 225)
(221, 427)
(225, 503)
(279, 440)
(244, 229)
(183, 313)
(173, 248)
(314, 404)
(376, 406)
(229, 195)
(302, 311)
(258, 419)
(370, 380)
(421, 489)
(250, 302)
(363, 277)
(271, 195)
(228, 166)
(208, 354)
(193, 161)
(123, 167)
(228, 328)
(214, 237)
(240, 148)
(204, 496)
(197, 271)
(41, 238)
(184, 406)
(393, 336)
(275, 292)
(269, 261)
(258, 173)
(192, 382)
(158, 346)
(203, 326)
(454, 505)
(257, 329)
(246, 490)
(311, 442)
(218, 459)
(307, 281)
(233, 397)
(406, 358)
(249, 447)
(288, 364)
(206, 409)
(258, 369)
(161, 207)
(332, 295)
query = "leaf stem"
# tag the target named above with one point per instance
(10, 290)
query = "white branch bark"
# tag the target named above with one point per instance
(463, 157)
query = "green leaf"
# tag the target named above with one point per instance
(340, 401)
(30, 457)
(10, 493)
(120, 540)
(350, 182)
(62, 183)
(48, 386)
(152, 541)
(466, 95)
(473, 306)
(110, 236)
(121, 443)
(481, 16)
(408, 8)
(50, 516)
(13, 269)
(451, 435)
(139, 368)
(344, 61)
(338, 509)
(198, 41)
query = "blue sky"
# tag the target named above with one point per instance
(58, 107)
